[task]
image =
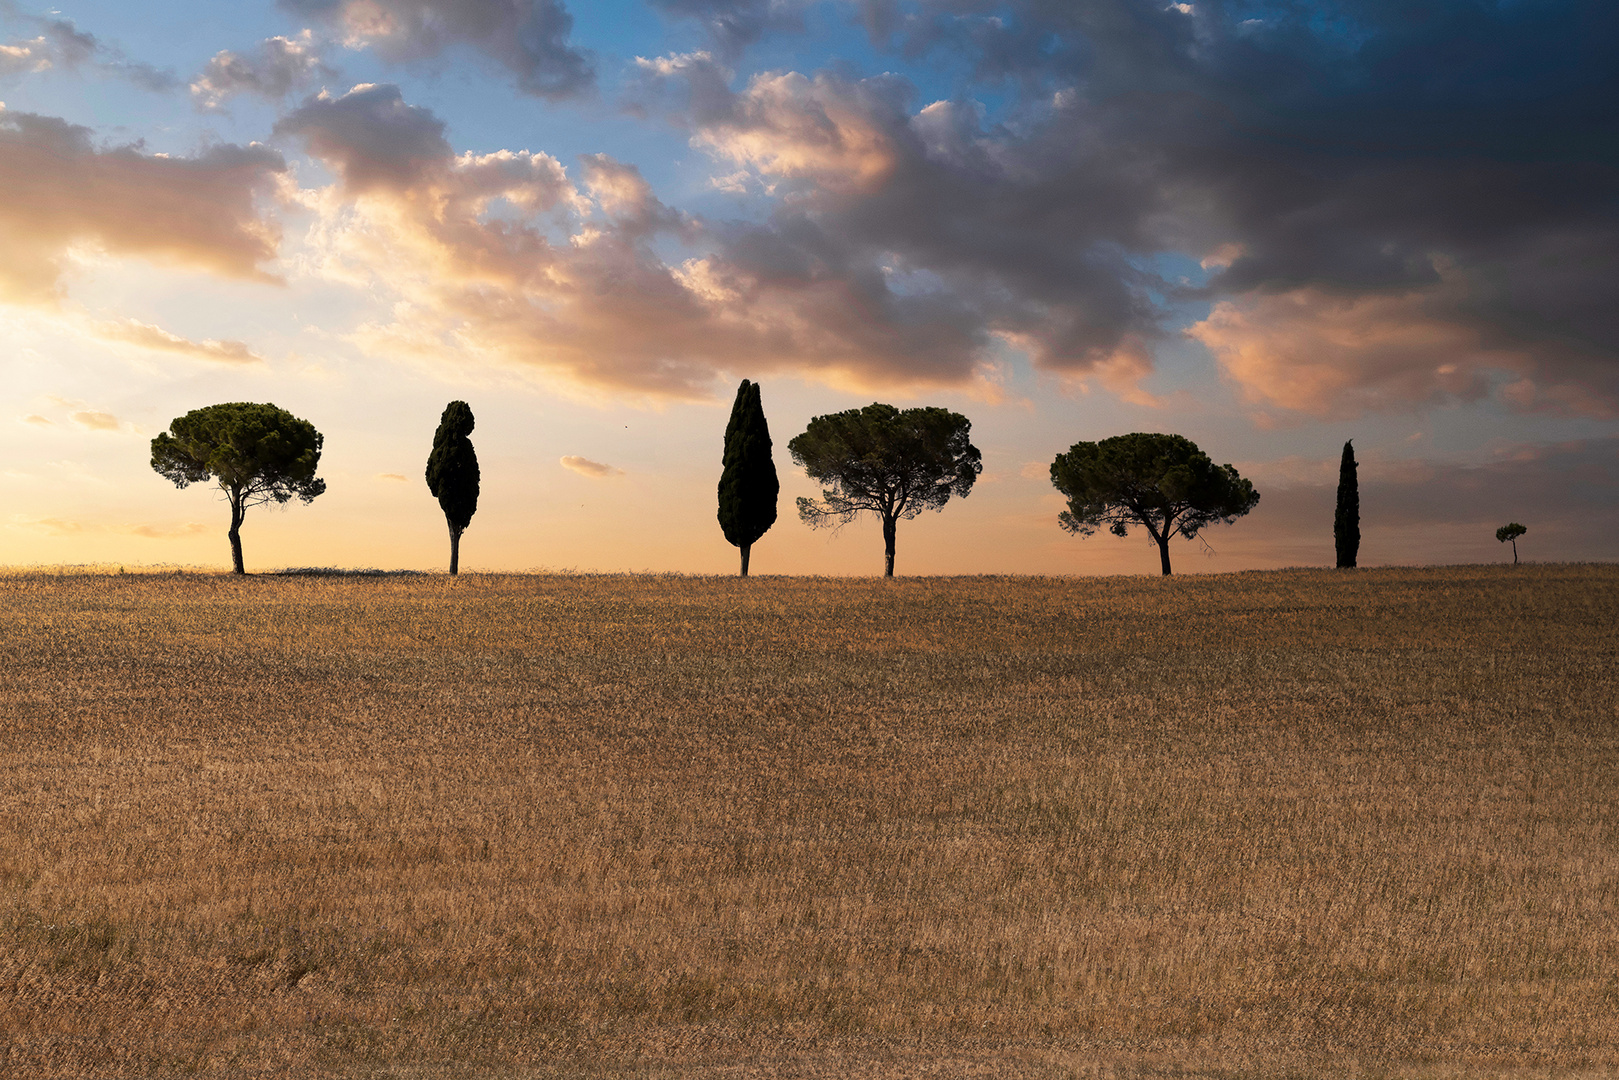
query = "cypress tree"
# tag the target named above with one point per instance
(1346, 523)
(748, 484)
(452, 474)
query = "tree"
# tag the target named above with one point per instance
(256, 453)
(883, 461)
(452, 474)
(748, 484)
(1162, 482)
(1511, 533)
(1346, 523)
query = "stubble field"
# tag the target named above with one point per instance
(1296, 823)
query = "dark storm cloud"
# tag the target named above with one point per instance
(527, 37)
(1450, 166)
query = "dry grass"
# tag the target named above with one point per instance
(1275, 824)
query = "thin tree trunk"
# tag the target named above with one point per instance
(1514, 552)
(237, 513)
(746, 548)
(1163, 541)
(455, 552)
(888, 542)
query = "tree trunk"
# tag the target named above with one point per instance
(746, 548)
(888, 542)
(455, 552)
(1514, 551)
(1163, 540)
(237, 513)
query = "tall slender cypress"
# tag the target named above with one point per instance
(1346, 523)
(452, 474)
(748, 484)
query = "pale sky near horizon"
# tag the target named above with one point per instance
(1270, 227)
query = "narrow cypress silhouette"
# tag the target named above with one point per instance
(452, 474)
(748, 484)
(1346, 523)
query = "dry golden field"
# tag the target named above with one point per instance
(1299, 823)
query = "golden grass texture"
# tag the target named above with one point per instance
(1296, 823)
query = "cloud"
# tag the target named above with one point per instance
(908, 242)
(392, 477)
(837, 134)
(37, 420)
(96, 421)
(62, 191)
(593, 469)
(166, 532)
(1341, 354)
(733, 25)
(61, 44)
(371, 137)
(1346, 157)
(280, 66)
(469, 245)
(51, 526)
(148, 336)
(527, 37)
(20, 57)
(503, 257)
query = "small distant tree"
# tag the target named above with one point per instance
(1510, 534)
(256, 453)
(748, 484)
(452, 474)
(887, 462)
(1161, 482)
(1346, 523)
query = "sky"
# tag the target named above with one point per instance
(1270, 227)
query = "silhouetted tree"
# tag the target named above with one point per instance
(1346, 522)
(748, 484)
(887, 462)
(452, 474)
(1511, 533)
(256, 453)
(1163, 482)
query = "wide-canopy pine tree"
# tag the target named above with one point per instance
(1162, 482)
(452, 474)
(884, 461)
(748, 483)
(256, 453)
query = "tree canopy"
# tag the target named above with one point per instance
(1509, 534)
(257, 453)
(1162, 482)
(885, 461)
(452, 474)
(748, 484)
